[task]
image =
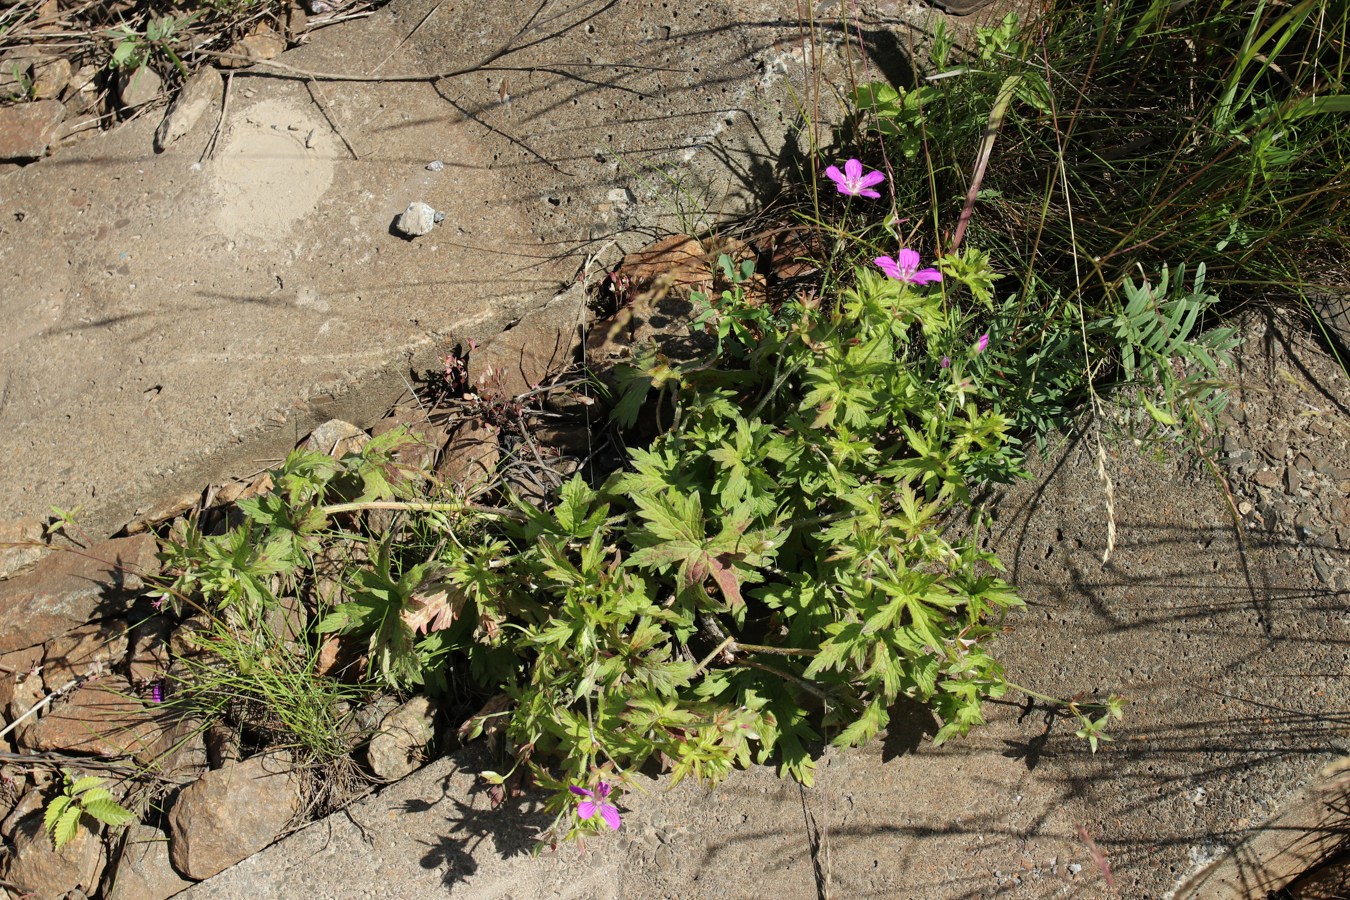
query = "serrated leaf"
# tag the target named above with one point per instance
(85, 783)
(93, 795)
(109, 812)
(67, 826)
(55, 809)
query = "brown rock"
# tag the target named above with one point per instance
(144, 871)
(426, 440)
(13, 787)
(20, 545)
(679, 260)
(542, 343)
(37, 867)
(263, 43)
(99, 718)
(28, 802)
(470, 458)
(179, 751)
(50, 77)
(69, 588)
(149, 651)
(16, 79)
(28, 129)
(23, 688)
(82, 651)
(400, 745)
(231, 813)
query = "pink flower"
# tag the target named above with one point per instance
(853, 182)
(946, 361)
(588, 808)
(905, 267)
(982, 344)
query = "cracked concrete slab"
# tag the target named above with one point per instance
(169, 319)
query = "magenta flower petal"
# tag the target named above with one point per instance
(580, 791)
(852, 182)
(982, 344)
(905, 267)
(602, 790)
(586, 808)
(889, 266)
(610, 814)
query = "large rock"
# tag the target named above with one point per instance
(83, 651)
(400, 746)
(144, 872)
(39, 869)
(28, 129)
(231, 813)
(70, 588)
(99, 718)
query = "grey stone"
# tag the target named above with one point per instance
(336, 438)
(201, 93)
(231, 813)
(81, 93)
(400, 744)
(139, 86)
(27, 130)
(418, 219)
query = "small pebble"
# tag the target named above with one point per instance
(435, 165)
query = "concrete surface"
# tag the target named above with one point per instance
(164, 323)
(1230, 655)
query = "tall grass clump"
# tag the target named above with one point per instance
(1132, 135)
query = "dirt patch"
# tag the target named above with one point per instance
(272, 169)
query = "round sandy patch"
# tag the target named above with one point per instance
(271, 170)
